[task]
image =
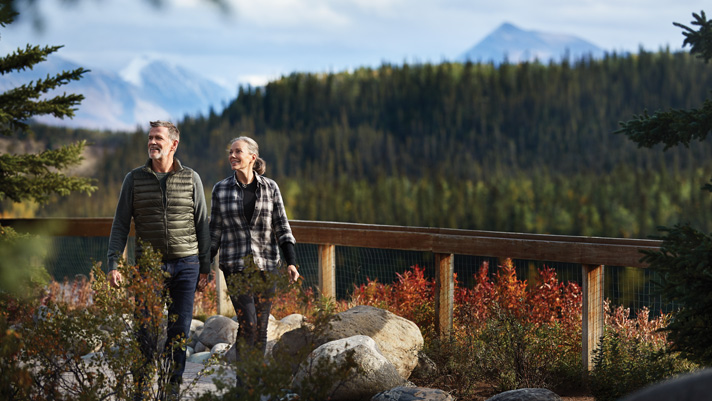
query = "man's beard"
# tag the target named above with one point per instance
(157, 156)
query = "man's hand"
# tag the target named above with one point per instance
(202, 282)
(115, 278)
(293, 273)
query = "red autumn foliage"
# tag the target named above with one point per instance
(412, 297)
(546, 301)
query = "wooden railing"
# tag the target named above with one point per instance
(593, 253)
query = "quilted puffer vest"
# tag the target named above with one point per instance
(170, 228)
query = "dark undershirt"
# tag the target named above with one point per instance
(248, 204)
(162, 178)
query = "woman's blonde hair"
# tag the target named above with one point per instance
(260, 165)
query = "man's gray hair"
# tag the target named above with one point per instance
(173, 132)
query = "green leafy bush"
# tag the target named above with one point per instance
(683, 264)
(633, 353)
(65, 348)
(21, 262)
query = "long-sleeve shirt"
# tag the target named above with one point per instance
(235, 237)
(125, 212)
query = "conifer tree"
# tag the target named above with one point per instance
(32, 176)
(684, 261)
(36, 176)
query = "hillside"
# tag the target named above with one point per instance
(517, 147)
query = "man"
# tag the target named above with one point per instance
(167, 203)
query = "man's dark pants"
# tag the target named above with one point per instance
(181, 284)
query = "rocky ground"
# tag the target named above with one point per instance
(205, 384)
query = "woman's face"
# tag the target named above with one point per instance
(240, 157)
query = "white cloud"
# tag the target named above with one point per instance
(261, 39)
(257, 80)
(312, 14)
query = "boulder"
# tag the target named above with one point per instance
(277, 328)
(526, 394)
(402, 393)
(294, 346)
(200, 347)
(372, 374)
(688, 387)
(218, 329)
(398, 339)
(295, 320)
(220, 348)
(196, 327)
(426, 367)
(199, 357)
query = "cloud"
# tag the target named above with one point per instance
(264, 38)
(289, 13)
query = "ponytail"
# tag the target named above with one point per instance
(260, 166)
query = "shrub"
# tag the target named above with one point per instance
(683, 264)
(205, 303)
(54, 349)
(509, 334)
(633, 353)
(21, 259)
(411, 296)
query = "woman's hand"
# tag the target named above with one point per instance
(293, 273)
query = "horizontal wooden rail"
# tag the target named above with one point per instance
(593, 253)
(554, 248)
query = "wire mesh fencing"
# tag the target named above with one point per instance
(630, 287)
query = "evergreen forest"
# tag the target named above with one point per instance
(528, 147)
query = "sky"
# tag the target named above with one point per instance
(259, 40)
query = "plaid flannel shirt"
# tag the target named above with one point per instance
(235, 237)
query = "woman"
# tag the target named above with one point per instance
(247, 217)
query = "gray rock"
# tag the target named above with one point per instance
(200, 347)
(426, 367)
(199, 357)
(220, 348)
(218, 329)
(376, 372)
(294, 346)
(295, 320)
(277, 328)
(398, 339)
(695, 386)
(413, 394)
(196, 327)
(526, 394)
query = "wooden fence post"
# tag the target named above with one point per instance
(592, 330)
(327, 267)
(444, 293)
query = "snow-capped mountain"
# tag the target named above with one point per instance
(146, 90)
(512, 44)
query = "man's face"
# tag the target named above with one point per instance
(160, 145)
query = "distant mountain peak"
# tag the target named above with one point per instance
(507, 26)
(132, 72)
(513, 44)
(146, 89)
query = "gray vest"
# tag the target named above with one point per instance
(169, 229)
